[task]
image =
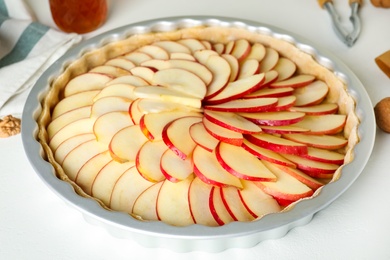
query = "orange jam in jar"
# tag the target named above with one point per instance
(79, 16)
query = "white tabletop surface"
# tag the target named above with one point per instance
(35, 224)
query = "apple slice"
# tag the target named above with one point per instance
(76, 158)
(69, 144)
(286, 187)
(192, 66)
(209, 170)
(248, 68)
(126, 143)
(222, 134)
(202, 138)
(110, 71)
(193, 44)
(162, 93)
(81, 126)
(298, 81)
(241, 49)
(137, 57)
(199, 201)
(147, 106)
(207, 44)
(234, 205)
(285, 68)
(221, 71)
(326, 156)
(124, 196)
(174, 168)
(109, 104)
(172, 46)
(118, 90)
(274, 118)
(284, 129)
(284, 103)
(203, 55)
(106, 179)
(146, 203)
(312, 183)
(234, 66)
(153, 124)
(134, 112)
(257, 52)
(122, 63)
(128, 79)
(311, 94)
(270, 60)
(266, 154)
(107, 125)
(245, 106)
(155, 52)
(148, 159)
(321, 109)
(144, 73)
(67, 118)
(242, 163)
(86, 82)
(229, 47)
(232, 121)
(257, 202)
(270, 92)
(75, 101)
(329, 142)
(181, 80)
(87, 174)
(181, 56)
(172, 203)
(176, 135)
(219, 47)
(217, 207)
(237, 89)
(313, 168)
(277, 144)
(323, 124)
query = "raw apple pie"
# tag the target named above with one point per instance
(204, 125)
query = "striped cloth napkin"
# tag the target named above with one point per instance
(27, 49)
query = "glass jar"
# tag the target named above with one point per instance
(79, 16)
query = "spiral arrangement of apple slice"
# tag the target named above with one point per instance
(192, 131)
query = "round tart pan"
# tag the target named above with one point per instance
(197, 237)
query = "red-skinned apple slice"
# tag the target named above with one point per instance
(155, 52)
(134, 112)
(321, 109)
(232, 121)
(257, 202)
(326, 156)
(181, 56)
(323, 124)
(176, 135)
(286, 187)
(219, 47)
(266, 154)
(106, 179)
(123, 197)
(284, 103)
(313, 168)
(237, 89)
(209, 170)
(122, 63)
(217, 208)
(130, 80)
(147, 160)
(257, 52)
(270, 59)
(70, 103)
(146, 203)
(297, 81)
(172, 46)
(222, 133)
(274, 118)
(270, 92)
(137, 57)
(69, 144)
(67, 118)
(234, 205)
(234, 66)
(241, 49)
(146, 106)
(202, 138)
(199, 200)
(126, 143)
(203, 55)
(244, 105)
(311, 94)
(248, 68)
(153, 124)
(285, 68)
(277, 144)
(221, 71)
(109, 104)
(193, 44)
(110, 71)
(172, 203)
(144, 73)
(329, 142)
(86, 82)
(284, 129)
(174, 168)
(241, 163)
(229, 47)
(118, 90)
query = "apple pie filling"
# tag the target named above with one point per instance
(188, 129)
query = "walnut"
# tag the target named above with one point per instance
(382, 114)
(9, 126)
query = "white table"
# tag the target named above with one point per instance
(35, 224)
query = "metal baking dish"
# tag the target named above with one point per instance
(196, 237)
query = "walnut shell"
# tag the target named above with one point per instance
(382, 114)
